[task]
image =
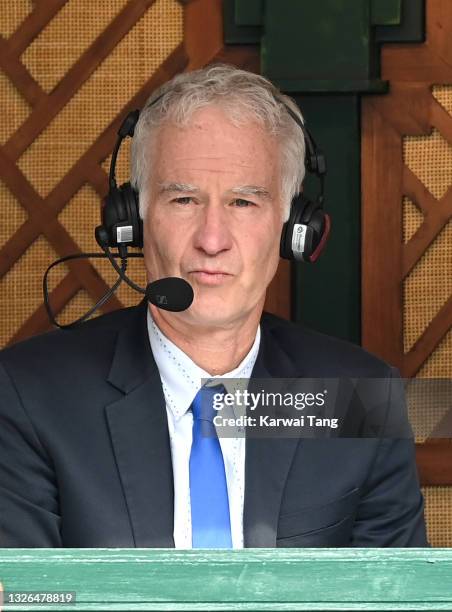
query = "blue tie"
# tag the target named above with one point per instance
(211, 526)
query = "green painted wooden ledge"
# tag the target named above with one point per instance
(249, 579)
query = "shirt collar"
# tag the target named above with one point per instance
(181, 377)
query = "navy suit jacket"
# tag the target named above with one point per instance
(85, 457)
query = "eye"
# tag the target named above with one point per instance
(241, 203)
(183, 200)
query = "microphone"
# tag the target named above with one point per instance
(171, 293)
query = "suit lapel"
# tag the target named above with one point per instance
(139, 434)
(267, 460)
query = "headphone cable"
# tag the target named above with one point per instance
(120, 269)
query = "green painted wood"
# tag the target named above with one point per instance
(340, 37)
(326, 54)
(386, 12)
(411, 28)
(332, 86)
(325, 40)
(234, 34)
(249, 12)
(327, 295)
(249, 579)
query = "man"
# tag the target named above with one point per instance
(99, 444)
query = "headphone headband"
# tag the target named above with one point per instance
(303, 235)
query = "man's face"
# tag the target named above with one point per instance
(214, 214)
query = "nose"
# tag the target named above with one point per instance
(213, 234)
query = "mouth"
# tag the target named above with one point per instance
(210, 277)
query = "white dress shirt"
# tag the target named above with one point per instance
(181, 380)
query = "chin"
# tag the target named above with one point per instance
(206, 317)
(220, 310)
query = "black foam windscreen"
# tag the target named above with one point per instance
(171, 293)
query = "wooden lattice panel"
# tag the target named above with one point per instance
(15, 217)
(13, 106)
(21, 288)
(428, 286)
(13, 13)
(430, 159)
(407, 239)
(438, 362)
(412, 219)
(407, 202)
(64, 90)
(438, 513)
(73, 29)
(89, 111)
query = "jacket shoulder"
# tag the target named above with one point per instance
(89, 339)
(323, 354)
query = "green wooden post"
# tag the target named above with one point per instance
(326, 54)
(249, 579)
(327, 295)
(249, 12)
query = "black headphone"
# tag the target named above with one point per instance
(303, 236)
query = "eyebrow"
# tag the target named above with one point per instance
(245, 190)
(177, 188)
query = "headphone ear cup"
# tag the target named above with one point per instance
(131, 201)
(321, 225)
(120, 217)
(289, 232)
(113, 213)
(304, 234)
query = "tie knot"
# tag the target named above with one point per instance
(203, 405)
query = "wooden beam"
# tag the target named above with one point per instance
(428, 341)
(33, 24)
(434, 462)
(382, 331)
(20, 77)
(203, 31)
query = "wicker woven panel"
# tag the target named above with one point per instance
(12, 14)
(439, 363)
(15, 217)
(428, 287)
(438, 513)
(428, 402)
(68, 34)
(12, 106)
(412, 219)
(443, 94)
(430, 158)
(21, 288)
(80, 217)
(102, 96)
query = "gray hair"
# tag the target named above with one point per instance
(242, 95)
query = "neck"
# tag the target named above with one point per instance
(216, 350)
